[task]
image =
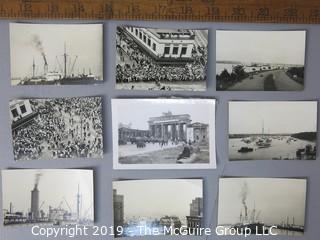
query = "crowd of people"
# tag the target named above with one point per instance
(63, 128)
(136, 66)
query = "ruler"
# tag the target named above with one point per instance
(258, 11)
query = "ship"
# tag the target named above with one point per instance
(251, 223)
(245, 150)
(263, 141)
(286, 225)
(65, 75)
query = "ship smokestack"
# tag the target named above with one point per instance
(35, 211)
(243, 195)
(39, 47)
(45, 67)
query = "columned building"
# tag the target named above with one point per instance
(127, 133)
(164, 44)
(197, 132)
(169, 126)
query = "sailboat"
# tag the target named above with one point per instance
(263, 141)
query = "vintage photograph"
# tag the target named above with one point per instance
(56, 128)
(161, 59)
(29, 198)
(262, 205)
(273, 130)
(260, 60)
(163, 133)
(56, 54)
(166, 203)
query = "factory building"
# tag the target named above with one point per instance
(164, 44)
(35, 210)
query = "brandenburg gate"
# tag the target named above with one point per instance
(169, 126)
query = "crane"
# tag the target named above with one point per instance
(67, 204)
(41, 205)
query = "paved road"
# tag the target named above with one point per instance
(281, 80)
(284, 83)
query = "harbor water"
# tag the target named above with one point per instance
(281, 147)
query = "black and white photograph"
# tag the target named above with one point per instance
(29, 198)
(161, 59)
(260, 60)
(272, 130)
(166, 204)
(53, 128)
(56, 54)
(262, 206)
(163, 133)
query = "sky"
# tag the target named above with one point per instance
(276, 198)
(82, 40)
(284, 47)
(54, 185)
(277, 117)
(138, 111)
(157, 198)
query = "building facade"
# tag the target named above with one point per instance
(197, 132)
(169, 126)
(194, 221)
(164, 43)
(118, 210)
(196, 207)
(127, 134)
(19, 109)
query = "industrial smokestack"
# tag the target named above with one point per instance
(35, 211)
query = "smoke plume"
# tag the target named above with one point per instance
(37, 43)
(244, 195)
(37, 179)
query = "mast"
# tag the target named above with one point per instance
(78, 204)
(33, 68)
(65, 60)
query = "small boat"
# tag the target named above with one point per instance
(263, 143)
(245, 150)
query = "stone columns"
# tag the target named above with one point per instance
(173, 132)
(181, 132)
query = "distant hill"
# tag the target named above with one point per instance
(309, 136)
(229, 62)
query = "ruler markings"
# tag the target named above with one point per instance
(307, 11)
